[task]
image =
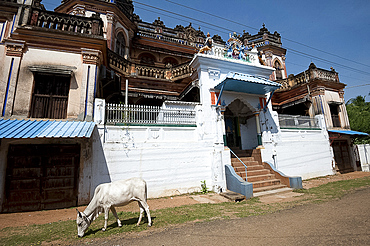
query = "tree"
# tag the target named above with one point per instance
(359, 117)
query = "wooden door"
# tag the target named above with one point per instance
(41, 177)
(342, 156)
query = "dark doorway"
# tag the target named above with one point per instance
(232, 130)
(342, 156)
(41, 177)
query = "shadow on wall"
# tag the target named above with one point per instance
(268, 121)
(95, 170)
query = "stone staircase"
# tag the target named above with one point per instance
(262, 178)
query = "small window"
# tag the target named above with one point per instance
(334, 111)
(147, 59)
(278, 68)
(50, 96)
(170, 60)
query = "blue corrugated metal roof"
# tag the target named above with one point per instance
(45, 129)
(247, 83)
(348, 132)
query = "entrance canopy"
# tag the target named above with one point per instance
(45, 129)
(246, 83)
(348, 132)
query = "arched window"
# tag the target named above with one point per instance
(120, 44)
(170, 60)
(146, 59)
(278, 68)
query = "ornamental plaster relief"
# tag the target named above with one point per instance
(90, 56)
(14, 48)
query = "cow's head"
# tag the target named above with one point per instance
(83, 222)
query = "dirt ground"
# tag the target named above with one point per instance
(49, 216)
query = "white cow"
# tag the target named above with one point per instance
(109, 195)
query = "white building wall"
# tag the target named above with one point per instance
(364, 151)
(173, 160)
(295, 152)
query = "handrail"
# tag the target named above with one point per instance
(238, 158)
(232, 152)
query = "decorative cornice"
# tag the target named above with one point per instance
(91, 56)
(14, 47)
(79, 10)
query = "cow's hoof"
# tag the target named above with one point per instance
(103, 229)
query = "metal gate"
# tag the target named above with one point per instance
(41, 177)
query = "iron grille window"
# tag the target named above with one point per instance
(50, 96)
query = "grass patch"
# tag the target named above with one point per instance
(334, 190)
(66, 231)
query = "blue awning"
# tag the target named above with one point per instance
(45, 129)
(247, 84)
(348, 132)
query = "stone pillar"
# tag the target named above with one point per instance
(91, 60)
(8, 83)
(258, 126)
(110, 30)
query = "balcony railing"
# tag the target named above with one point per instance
(297, 122)
(66, 23)
(148, 115)
(119, 63)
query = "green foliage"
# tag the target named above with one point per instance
(204, 187)
(359, 117)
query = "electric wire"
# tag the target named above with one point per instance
(290, 49)
(285, 38)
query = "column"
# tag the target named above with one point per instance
(91, 60)
(258, 126)
(8, 84)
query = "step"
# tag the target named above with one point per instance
(267, 188)
(257, 172)
(233, 196)
(241, 174)
(244, 159)
(247, 163)
(263, 177)
(250, 167)
(272, 192)
(264, 183)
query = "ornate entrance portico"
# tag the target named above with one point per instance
(248, 90)
(237, 83)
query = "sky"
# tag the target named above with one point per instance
(329, 33)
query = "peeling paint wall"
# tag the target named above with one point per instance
(173, 160)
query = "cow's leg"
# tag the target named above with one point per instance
(106, 216)
(115, 215)
(146, 207)
(141, 213)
